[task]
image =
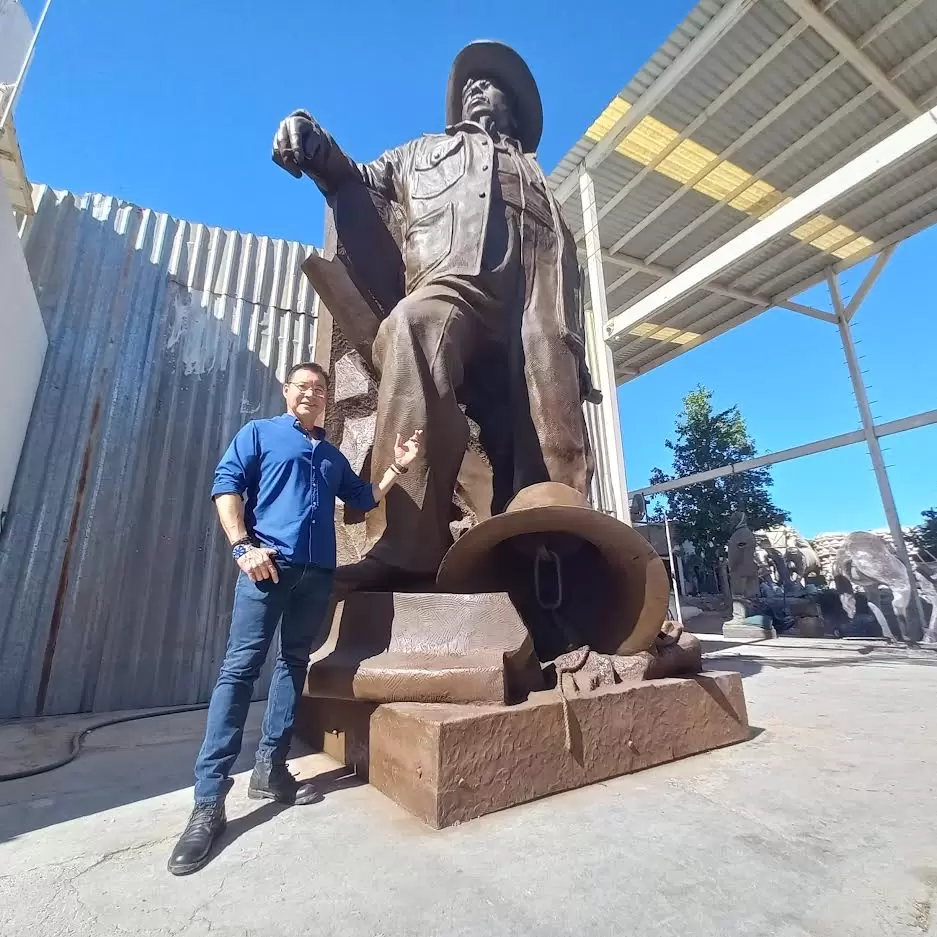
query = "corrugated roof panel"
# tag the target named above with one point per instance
(895, 29)
(164, 338)
(570, 161)
(619, 171)
(918, 80)
(715, 322)
(572, 214)
(827, 157)
(710, 77)
(752, 272)
(673, 220)
(889, 189)
(796, 111)
(857, 17)
(679, 39)
(636, 283)
(893, 50)
(639, 354)
(795, 115)
(735, 121)
(862, 121)
(646, 196)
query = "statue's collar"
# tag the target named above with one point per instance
(475, 127)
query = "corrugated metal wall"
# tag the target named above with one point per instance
(164, 338)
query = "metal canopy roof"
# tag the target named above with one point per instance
(749, 104)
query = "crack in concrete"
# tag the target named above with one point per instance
(74, 860)
(196, 915)
(138, 847)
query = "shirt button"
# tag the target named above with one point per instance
(484, 167)
(481, 194)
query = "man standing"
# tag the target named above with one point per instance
(491, 317)
(274, 491)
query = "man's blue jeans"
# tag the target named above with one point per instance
(298, 603)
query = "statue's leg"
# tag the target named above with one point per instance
(419, 352)
(930, 635)
(486, 393)
(901, 600)
(547, 395)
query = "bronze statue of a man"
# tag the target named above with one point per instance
(491, 317)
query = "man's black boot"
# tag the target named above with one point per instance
(193, 850)
(274, 782)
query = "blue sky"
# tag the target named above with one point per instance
(173, 105)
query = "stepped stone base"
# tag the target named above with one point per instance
(448, 763)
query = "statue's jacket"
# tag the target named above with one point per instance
(441, 185)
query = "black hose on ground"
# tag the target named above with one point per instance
(79, 737)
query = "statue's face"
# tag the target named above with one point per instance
(481, 97)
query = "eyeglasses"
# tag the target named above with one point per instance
(315, 389)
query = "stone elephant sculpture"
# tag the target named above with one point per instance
(867, 562)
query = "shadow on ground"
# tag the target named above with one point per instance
(328, 782)
(157, 758)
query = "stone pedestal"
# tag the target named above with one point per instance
(428, 648)
(448, 763)
(748, 623)
(810, 626)
(340, 728)
(753, 628)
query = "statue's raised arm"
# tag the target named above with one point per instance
(302, 147)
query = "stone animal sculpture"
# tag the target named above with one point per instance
(797, 557)
(867, 562)
(771, 563)
(802, 562)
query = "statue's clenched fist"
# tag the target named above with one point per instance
(296, 143)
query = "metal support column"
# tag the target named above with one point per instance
(915, 610)
(612, 459)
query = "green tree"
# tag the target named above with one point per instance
(705, 441)
(925, 535)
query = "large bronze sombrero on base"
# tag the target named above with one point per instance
(615, 585)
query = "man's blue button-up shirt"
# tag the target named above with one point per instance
(290, 483)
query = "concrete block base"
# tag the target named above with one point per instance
(449, 763)
(810, 626)
(748, 630)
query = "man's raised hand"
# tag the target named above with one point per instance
(406, 452)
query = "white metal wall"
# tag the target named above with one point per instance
(21, 350)
(164, 338)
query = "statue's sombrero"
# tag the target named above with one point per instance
(495, 60)
(631, 576)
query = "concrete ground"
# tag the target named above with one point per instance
(822, 824)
